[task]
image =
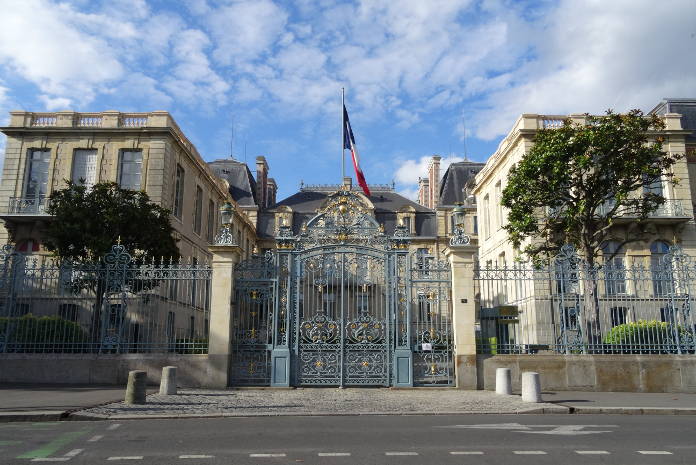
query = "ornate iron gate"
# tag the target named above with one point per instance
(342, 304)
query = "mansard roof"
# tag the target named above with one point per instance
(241, 181)
(455, 179)
(685, 107)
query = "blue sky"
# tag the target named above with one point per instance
(419, 75)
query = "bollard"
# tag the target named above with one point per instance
(531, 387)
(137, 387)
(168, 381)
(503, 381)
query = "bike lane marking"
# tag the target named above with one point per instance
(52, 446)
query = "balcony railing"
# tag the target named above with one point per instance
(671, 208)
(28, 205)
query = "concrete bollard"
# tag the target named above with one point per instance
(503, 381)
(168, 381)
(137, 387)
(531, 387)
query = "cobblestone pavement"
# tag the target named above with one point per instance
(326, 401)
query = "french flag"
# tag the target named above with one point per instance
(349, 143)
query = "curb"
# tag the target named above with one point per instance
(40, 415)
(632, 411)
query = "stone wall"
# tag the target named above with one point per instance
(192, 370)
(619, 373)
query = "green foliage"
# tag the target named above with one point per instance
(644, 336)
(577, 179)
(46, 333)
(88, 222)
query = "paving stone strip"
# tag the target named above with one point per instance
(252, 402)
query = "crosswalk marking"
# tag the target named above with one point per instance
(196, 456)
(334, 454)
(51, 459)
(654, 452)
(591, 452)
(266, 455)
(529, 452)
(73, 453)
(95, 438)
(466, 452)
(132, 457)
(401, 453)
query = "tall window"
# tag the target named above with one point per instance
(198, 212)
(179, 192)
(406, 222)
(36, 184)
(211, 221)
(661, 271)
(486, 217)
(614, 268)
(498, 206)
(655, 187)
(475, 224)
(130, 169)
(84, 168)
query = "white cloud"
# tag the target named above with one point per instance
(411, 169)
(55, 103)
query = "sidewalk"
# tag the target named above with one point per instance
(625, 402)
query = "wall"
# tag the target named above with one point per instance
(615, 373)
(192, 370)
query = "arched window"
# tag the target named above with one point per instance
(614, 268)
(661, 271)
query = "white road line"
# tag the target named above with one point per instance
(51, 459)
(133, 457)
(529, 452)
(95, 438)
(401, 453)
(591, 452)
(113, 427)
(466, 452)
(196, 456)
(654, 452)
(334, 454)
(266, 455)
(73, 453)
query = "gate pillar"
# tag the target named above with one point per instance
(403, 355)
(280, 355)
(461, 258)
(225, 257)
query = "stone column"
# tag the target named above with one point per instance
(225, 257)
(461, 258)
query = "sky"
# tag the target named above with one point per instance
(244, 78)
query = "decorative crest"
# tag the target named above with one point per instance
(118, 257)
(225, 236)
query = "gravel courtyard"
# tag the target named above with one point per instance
(317, 401)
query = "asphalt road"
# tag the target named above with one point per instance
(364, 440)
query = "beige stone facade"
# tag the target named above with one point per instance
(141, 151)
(671, 224)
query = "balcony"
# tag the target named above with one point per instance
(26, 209)
(672, 209)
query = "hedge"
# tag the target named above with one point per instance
(645, 336)
(42, 334)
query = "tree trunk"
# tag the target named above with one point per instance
(593, 327)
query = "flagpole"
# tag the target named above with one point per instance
(343, 134)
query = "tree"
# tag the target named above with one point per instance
(575, 182)
(88, 222)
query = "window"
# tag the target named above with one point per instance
(198, 212)
(498, 206)
(614, 268)
(130, 169)
(211, 221)
(618, 316)
(36, 185)
(179, 192)
(570, 318)
(192, 327)
(84, 168)
(194, 282)
(406, 222)
(475, 224)
(667, 315)
(662, 277)
(486, 217)
(68, 312)
(655, 187)
(170, 327)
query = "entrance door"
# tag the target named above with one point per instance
(343, 318)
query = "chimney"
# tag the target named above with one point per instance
(272, 190)
(261, 181)
(347, 183)
(423, 192)
(434, 181)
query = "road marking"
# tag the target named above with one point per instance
(266, 455)
(95, 438)
(334, 454)
(562, 430)
(654, 452)
(591, 452)
(73, 453)
(113, 427)
(133, 457)
(529, 452)
(196, 456)
(401, 453)
(50, 448)
(466, 452)
(51, 459)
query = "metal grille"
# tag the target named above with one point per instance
(568, 307)
(115, 305)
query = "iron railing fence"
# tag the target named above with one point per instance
(28, 205)
(115, 305)
(567, 307)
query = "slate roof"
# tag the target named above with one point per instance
(387, 203)
(454, 180)
(238, 175)
(685, 107)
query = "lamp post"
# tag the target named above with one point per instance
(459, 237)
(225, 236)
